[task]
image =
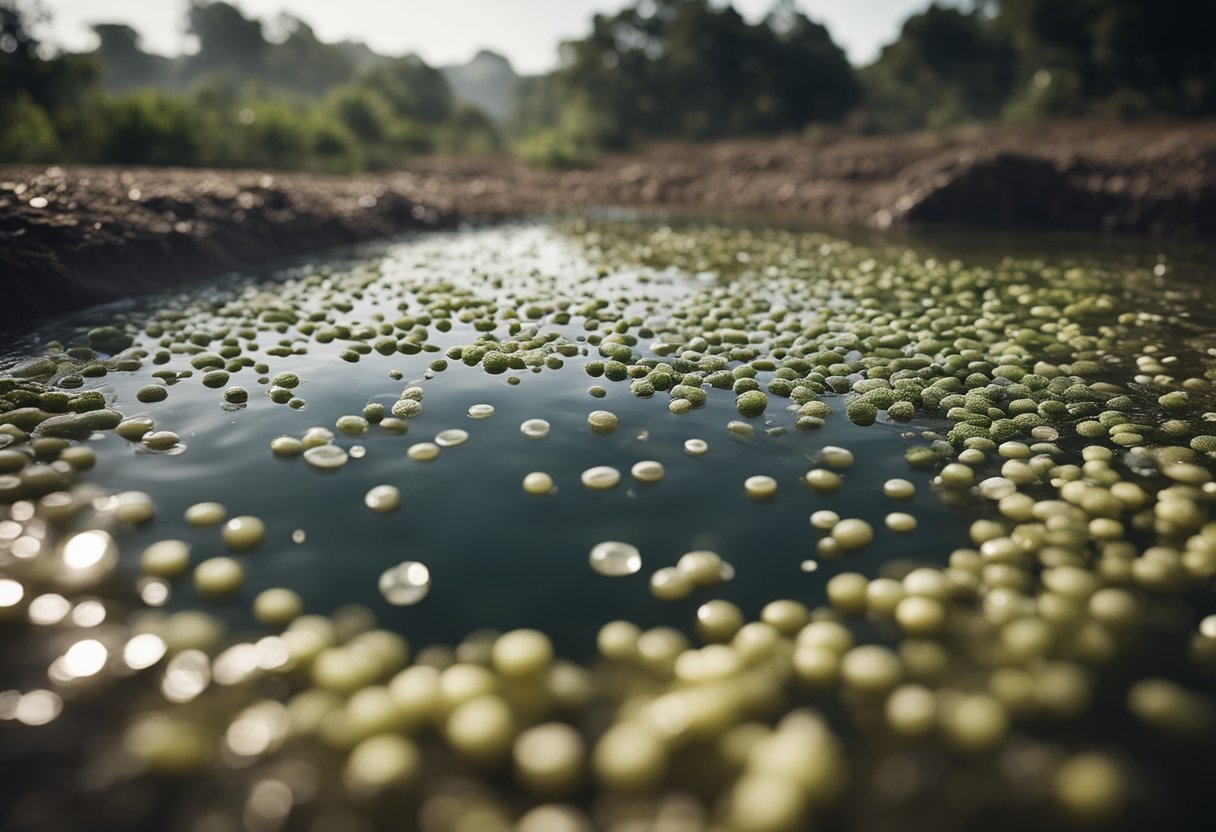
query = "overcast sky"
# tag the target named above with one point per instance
(451, 31)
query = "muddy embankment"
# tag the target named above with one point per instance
(75, 236)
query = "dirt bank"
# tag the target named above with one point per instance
(1156, 179)
(74, 236)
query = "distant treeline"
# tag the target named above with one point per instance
(660, 69)
(1019, 59)
(238, 100)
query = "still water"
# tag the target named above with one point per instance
(501, 559)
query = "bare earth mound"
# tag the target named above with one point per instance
(74, 236)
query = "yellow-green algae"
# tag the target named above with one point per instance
(1053, 404)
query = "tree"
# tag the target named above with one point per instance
(150, 127)
(686, 68)
(413, 89)
(29, 135)
(22, 69)
(126, 66)
(366, 115)
(813, 77)
(946, 67)
(303, 64)
(46, 103)
(1118, 53)
(228, 42)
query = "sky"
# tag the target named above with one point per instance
(451, 31)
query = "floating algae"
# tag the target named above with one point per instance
(670, 584)
(615, 559)
(704, 568)
(538, 482)
(451, 438)
(423, 451)
(218, 577)
(166, 558)
(1051, 434)
(287, 446)
(602, 421)
(760, 487)
(696, 447)
(601, 478)
(648, 471)
(206, 514)
(535, 428)
(382, 499)
(244, 533)
(406, 583)
(326, 457)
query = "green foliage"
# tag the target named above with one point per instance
(571, 142)
(364, 112)
(535, 104)
(304, 65)
(1027, 59)
(1047, 94)
(948, 66)
(412, 89)
(332, 147)
(1121, 55)
(277, 132)
(682, 69)
(44, 102)
(689, 69)
(470, 131)
(127, 66)
(240, 101)
(228, 41)
(30, 135)
(149, 127)
(551, 148)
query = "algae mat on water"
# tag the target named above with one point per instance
(613, 526)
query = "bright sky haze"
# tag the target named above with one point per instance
(451, 31)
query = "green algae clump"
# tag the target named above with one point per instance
(751, 403)
(150, 393)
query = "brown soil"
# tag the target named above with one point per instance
(104, 233)
(75, 236)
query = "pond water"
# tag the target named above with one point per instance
(501, 559)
